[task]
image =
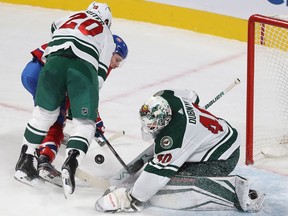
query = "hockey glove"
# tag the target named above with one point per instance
(118, 200)
(100, 128)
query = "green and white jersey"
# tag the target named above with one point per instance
(88, 37)
(193, 135)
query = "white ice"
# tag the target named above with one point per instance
(159, 57)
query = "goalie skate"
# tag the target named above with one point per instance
(48, 172)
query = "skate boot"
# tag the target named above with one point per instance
(26, 169)
(48, 172)
(68, 172)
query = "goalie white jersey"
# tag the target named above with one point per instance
(193, 135)
(192, 140)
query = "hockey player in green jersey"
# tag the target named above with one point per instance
(194, 152)
(49, 147)
(81, 48)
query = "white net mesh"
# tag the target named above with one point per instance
(270, 89)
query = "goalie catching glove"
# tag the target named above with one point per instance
(118, 200)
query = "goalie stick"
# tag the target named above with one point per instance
(135, 165)
(92, 180)
(113, 137)
(122, 176)
(222, 93)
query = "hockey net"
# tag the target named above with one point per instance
(267, 88)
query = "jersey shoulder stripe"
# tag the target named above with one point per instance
(80, 44)
(161, 170)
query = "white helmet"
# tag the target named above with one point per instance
(103, 11)
(155, 114)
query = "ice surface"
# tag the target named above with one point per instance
(159, 57)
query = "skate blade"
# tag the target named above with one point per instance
(48, 177)
(66, 183)
(22, 177)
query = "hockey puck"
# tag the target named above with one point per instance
(99, 158)
(253, 194)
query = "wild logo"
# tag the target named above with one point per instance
(144, 110)
(84, 111)
(166, 142)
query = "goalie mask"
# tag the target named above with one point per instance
(103, 11)
(155, 114)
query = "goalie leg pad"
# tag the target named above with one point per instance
(208, 193)
(197, 193)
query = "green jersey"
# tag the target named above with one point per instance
(88, 37)
(80, 50)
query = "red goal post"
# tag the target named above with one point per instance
(267, 86)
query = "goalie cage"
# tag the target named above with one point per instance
(267, 87)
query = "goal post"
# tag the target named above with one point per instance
(267, 87)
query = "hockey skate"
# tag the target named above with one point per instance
(26, 169)
(48, 172)
(68, 172)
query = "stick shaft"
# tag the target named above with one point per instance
(222, 93)
(114, 151)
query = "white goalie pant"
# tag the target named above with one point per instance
(207, 193)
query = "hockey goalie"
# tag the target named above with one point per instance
(194, 154)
